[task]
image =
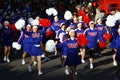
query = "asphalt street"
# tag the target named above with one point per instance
(52, 70)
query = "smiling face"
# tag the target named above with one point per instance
(72, 33)
(28, 28)
(35, 28)
(6, 24)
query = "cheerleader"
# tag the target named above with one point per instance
(117, 58)
(7, 34)
(70, 52)
(61, 37)
(79, 31)
(102, 30)
(112, 45)
(73, 24)
(92, 36)
(80, 20)
(36, 51)
(56, 24)
(24, 40)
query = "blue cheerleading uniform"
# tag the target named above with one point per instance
(7, 34)
(71, 50)
(73, 26)
(36, 38)
(24, 40)
(61, 35)
(84, 26)
(117, 46)
(102, 30)
(114, 36)
(92, 36)
(55, 26)
(79, 31)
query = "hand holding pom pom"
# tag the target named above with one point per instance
(82, 40)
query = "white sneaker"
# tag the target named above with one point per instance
(114, 63)
(91, 66)
(83, 61)
(23, 62)
(76, 73)
(29, 68)
(34, 63)
(8, 60)
(79, 53)
(40, 73)
(55, 53)
(5, 58)
(67, 72)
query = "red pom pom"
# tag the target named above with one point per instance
(49, 33)
(12, 26)
(107, 37)
(82, 40)
(45, 22)
(102, 44)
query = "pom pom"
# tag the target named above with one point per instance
(110, 21)
(45, 22)
(117, 16)
(50, 46)
(35, 22)
(48, 12)
(68, 15)
(12, 26)
(54, 12)
(16, 45)
(107, 37)
(30, 20)
(102, 44)
(19, 24)
(82, 40)
(49, 33)
(51, 11)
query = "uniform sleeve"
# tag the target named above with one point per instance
(20, 38)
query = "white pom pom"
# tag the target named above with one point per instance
(48, 12)
(35, 22)
(54, 11)
(30, 20)
(68, 15)
(110, 22)
(21, 21)
(16, 45)
(19, 24)
(50, 46)
(117, 16)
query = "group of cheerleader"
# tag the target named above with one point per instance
(68, 39)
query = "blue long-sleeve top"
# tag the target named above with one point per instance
(101, 30)
(70, 47)
(79, 31)
(92, 36)
(7, 34)
(117, 46)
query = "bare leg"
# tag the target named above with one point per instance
(73, 69)
(24, 55)
(83, 55)
(39, 62)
